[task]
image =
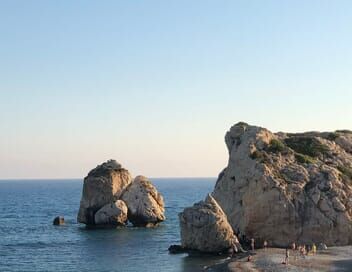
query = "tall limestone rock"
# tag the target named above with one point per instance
(285, 187)
(204, 227)
(103, 185)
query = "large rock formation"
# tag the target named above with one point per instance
(110, 197)
(204, 227)
(285, 187)
(103, 185)
(114, 214)
(145, 204)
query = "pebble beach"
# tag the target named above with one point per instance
(271, 260)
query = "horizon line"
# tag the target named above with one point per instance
(31, 179)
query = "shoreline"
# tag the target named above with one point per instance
(271, 259)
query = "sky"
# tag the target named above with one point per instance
(156, 84)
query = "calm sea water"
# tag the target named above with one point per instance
(29, 241)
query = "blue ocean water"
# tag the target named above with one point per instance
(29, 241)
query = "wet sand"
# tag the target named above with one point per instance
(333, 259)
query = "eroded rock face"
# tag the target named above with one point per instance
(204, 227)
(288, 187)
(103, 185)
(114, 214)
(145, 204)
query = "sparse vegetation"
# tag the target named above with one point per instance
(257, 155)
(301, 158)
(242, 124)
(332, 136)
(347, 171)
(307, 146)
(344, 131)
(276, 146)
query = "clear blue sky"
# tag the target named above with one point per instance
(156, 84)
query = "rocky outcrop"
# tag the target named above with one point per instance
(110, 197)
(204, 227)
(59, 220)
(114, 214)
(103, 185)
(284, 187)
(145, 204)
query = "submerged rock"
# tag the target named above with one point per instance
(58, 221)
(177, 249)
(287, 187)
(204, 227)
(114, 214)
(103, 185)
(145, 204)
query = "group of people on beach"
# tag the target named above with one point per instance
(304, 250)
(298, 250)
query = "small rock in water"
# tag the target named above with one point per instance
(59, 220)
(176, 249)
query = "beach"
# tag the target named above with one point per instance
(271, 259)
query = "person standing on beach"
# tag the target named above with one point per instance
(252, 244)
(302, 251)
(293, 246)
(314, 249)
(234, 247)
(287, 256)
(265, 244)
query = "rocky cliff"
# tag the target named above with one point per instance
(285, 187)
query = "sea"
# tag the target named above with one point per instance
(30, 242)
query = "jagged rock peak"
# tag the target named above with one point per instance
(105, 168)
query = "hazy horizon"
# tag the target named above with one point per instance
(156, 85)
(81, 178)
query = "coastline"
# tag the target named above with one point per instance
(332, 259)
